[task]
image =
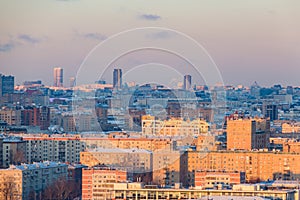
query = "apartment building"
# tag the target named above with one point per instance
(208, 179)
(126, 191)
(137, 162)
(55, 148)
(14, 151)
(151, 144)
(11, 116)
(205, 142)
(98, 182)
(166, 168)
(247, 133)
(1, 151)
(292, 127)
(173, 127)
(291, 146)
(258, 165)
(28, 181)
(36, 116)
(67, 148)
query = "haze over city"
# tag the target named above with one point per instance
(248, 41)
(158, 100)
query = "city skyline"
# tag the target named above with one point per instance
(149, 100)
(184, 83)
(247, 41)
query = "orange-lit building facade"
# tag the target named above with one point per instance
(98, 182)
(137, 162)
(247, 133)
(210, 179)
(57, 148)
(173, 126)
(291, 146)
(258, 165)
(166, 168)
(67, 148)
(205, 142)
(290, 127)
(151, 144)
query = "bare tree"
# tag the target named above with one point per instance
(32, 195)
(18, 157)
(75, 189)
(62, 189)
(49, 193)
(9, 189)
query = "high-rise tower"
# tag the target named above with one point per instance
(117, 78)
(58, 77)
(7, 84)
(187, 82)
(72, 82)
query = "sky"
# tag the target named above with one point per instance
(248, 41)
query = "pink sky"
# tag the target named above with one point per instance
(249, 41)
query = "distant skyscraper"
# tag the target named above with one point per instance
(72, 82)
(187, 82)
(117, 78)
(7, 84)
(58, 77)
(270, 110)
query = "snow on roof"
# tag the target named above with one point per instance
(118, 150)
(38, 165)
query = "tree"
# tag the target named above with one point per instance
(18, 157)
(9, 189)
(32, 194)
(48, 193)
(61, 189)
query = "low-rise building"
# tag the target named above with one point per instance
(210, 179)
(244, 192)
(291, 146)
(290, 127)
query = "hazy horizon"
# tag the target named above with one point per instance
(249, 41)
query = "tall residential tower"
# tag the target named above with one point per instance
(117, 78)
(7, 84)
(58, 77)
(187, 82)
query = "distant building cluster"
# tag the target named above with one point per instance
(127, 141)
(173, 127)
